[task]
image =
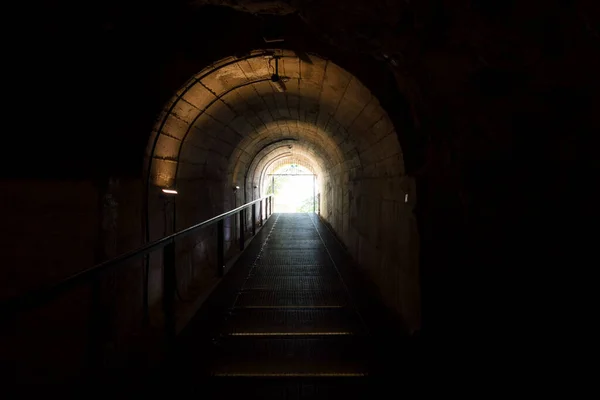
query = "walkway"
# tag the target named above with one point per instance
(283, 314)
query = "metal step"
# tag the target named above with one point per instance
(307, 322)
(285, 357)
(278, 283)
(293, 270)
(299, 225)
(292, 389)
(296, 252)
(294, 234)
(293, 257)
(307, 224)
(294, 230)
(291, 299)
(277, 243)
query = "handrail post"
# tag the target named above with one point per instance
(253, 219)
(220, 248)
(319, 203)
(242, 240)
(260, 213)
(169, 287)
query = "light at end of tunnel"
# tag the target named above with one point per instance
(406, 198)
(169, 191)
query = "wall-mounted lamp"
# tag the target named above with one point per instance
(236, 188)
(255, 187)
(169, 191)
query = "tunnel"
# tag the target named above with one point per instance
(293, 199)
(229, 124)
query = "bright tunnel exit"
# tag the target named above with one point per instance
(295, 189)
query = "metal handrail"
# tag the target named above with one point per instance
(37, 296)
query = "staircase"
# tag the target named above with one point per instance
(293, 316)
(290, 328)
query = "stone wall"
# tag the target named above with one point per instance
(50, 229)
(54, 230)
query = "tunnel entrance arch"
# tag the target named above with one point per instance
(219, 134)
(293, 185)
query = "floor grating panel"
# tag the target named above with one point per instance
(249, 356)
(293, 322)
(283, 283)
(291, 299)
(293, 270)
(290, 244)
(294, 259)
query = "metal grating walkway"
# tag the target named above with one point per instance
(293, 315)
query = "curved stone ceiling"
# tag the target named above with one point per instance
(224, 116)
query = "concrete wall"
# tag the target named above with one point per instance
(54, 230)
(373, 215)
(65, 216)
(57, 229)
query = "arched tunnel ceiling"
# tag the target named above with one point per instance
(219, 122)
(286, 160)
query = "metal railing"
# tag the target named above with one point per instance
(45, 295)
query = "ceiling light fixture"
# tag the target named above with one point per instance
(278, 83)
(276, 79)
